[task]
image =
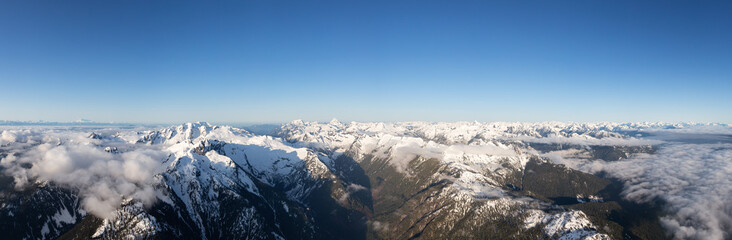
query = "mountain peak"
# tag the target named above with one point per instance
(198, 124)
(335, 122)
(297, 122)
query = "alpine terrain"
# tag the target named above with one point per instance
(310, 180)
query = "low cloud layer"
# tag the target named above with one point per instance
(589, 141)
(693, 179)
(104, 171)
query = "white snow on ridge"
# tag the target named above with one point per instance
(475, 148)
(465, 132)
(482, 153)
(565, 225)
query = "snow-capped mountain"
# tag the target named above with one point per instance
(322, 181)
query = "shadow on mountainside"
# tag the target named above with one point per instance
(343, 206)
(334, 216)
(614, 215)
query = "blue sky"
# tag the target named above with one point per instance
(275, 61)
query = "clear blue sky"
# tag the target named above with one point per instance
(274, 61)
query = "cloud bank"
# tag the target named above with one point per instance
(105, 172)
(693, 180)
(588, 141)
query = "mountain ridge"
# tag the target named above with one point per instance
(309, 176)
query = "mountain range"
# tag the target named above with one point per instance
(310, 180)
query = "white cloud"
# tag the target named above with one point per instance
(693, 180)
(695, 129)
(584, 140)
(691, 173)
(71, 159)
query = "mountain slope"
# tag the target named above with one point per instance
(329, 181)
